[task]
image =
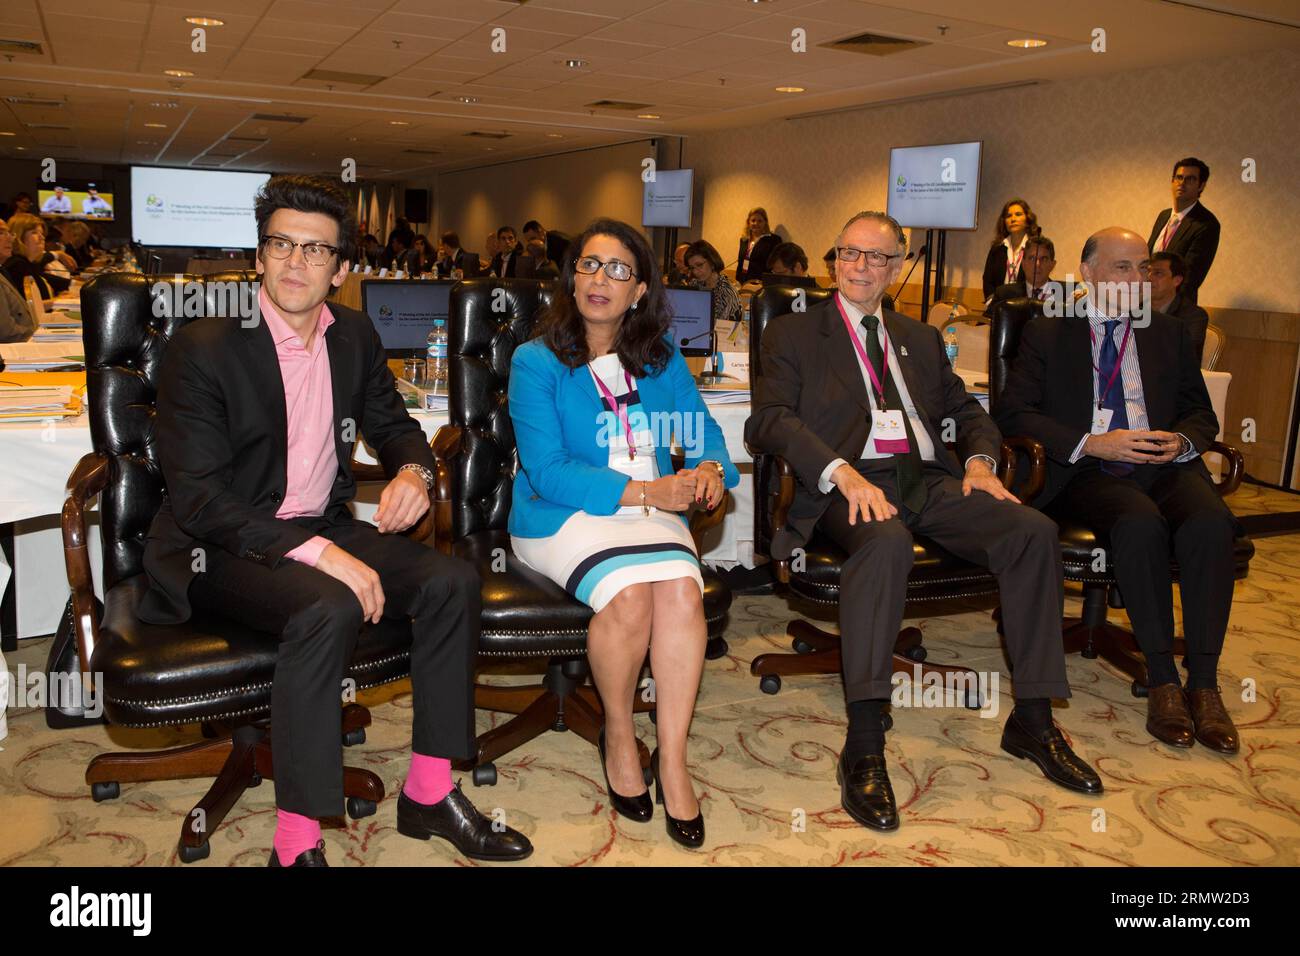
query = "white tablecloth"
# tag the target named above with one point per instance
(36, 460)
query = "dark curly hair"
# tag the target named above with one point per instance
(1031, 221)
(640, 341)
(309, 194)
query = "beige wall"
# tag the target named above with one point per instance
(1085, 154)
(562, 192)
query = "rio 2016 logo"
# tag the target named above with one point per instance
(153, 203)
(902, 181)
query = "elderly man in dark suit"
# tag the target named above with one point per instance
(1122, 410)
(255, 429)
(859, 400)
(1188, 228)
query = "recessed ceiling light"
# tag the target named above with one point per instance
(398, 123)
(468, 99)
(352, 139)
(164, 105)
(7, 133)
(647, 116)
(205, 21)
(789, 89)
(144, 142)
(20, 147)
(548, 135)
(178, 72)
(156, 125)
(575, 64)
(1027, 43)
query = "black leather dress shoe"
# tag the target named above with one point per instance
(637, 808)
(689, 833)
(313, 857)
(866, 793)
(1053, 755)
(457, 821)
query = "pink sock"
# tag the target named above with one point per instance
(294, 833)
(429, 780)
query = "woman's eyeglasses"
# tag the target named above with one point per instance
(315, 253)
(616, 270)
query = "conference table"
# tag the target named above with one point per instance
(36, 459)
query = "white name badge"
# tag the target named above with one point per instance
(1101, 420)
(888, 431)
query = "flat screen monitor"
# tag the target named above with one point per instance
(666, 201)
(198, 208)
(76, 199)
(935, 187)
(403, 312)
(692, 327)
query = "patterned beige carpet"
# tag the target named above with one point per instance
(765, 768)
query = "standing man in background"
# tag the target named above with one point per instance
(1188, 228)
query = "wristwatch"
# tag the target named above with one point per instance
(424, 474)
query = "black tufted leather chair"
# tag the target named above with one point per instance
(936, 575)
(208, 671)
(1091, 634)
(525, 615)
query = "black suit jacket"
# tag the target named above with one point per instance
(811, 404)
(1196, 319)
(221, 437)
(1048, 394)
(995, 269)
(757, 264)
(495, 267)
(1196, 240)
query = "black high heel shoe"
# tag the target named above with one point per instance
(639, 809)
(689, 833)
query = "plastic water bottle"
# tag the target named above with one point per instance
(435, 361)
(950, 344)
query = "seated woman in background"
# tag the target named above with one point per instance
(705, 267)
(421, 258)
(598, 508)
(1016, 223)
(76, 243)
(756, 244)
(17, 324)
(30, 258)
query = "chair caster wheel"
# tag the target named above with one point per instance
(770, 684)
(1138, 690)
(354, 738)
(801, 646)
(485, 775)
(918, 654)
(654, 717)
(359, 807)
(192, 854)
(255, 780)
(716, 648)
(1089, 653)
(99, 792)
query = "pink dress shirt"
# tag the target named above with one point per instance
(312, 464)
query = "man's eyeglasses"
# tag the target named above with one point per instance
(616, 270)
(315, 253)
(849, 254)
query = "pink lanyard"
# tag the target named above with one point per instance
(620, 411)
(862, 354)
(1119, 362)
(1013, 265)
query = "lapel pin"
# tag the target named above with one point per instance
(902, 350)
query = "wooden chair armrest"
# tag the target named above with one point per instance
(1033, 448)
(702, 519)
(782, 498)
(365, 471)
(446, 446)
(88, 479)
(1236, 468)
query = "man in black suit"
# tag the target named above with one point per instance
(867, 445)
(556, 243)
(451, 256)
(506, 261)
(1167, 273)
(1188, 228)
(1125, 421)
(788, 265)
(1038, 284)
(256, 423)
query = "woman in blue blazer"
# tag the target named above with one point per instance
(597, 399)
